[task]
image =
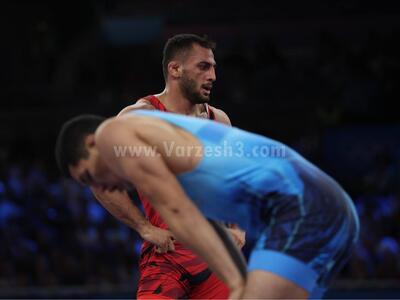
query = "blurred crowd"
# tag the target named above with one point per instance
(53, 232)
(378, 203)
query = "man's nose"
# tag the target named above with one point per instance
(211, 76)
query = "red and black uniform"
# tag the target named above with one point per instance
(177, 274)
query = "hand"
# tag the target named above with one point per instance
(162, 238)
(238, 235)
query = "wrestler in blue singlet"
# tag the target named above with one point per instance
(304, 223)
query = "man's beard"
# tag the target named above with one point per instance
(188, 88)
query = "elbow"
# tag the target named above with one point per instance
(162, 202)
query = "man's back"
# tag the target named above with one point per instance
(237, 167)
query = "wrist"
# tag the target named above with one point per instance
(144, 228)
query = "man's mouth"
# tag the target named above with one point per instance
(206, 89)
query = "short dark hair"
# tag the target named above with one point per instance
(70, 146)
(182, 42)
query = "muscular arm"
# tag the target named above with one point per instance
(121, 207)
(151, 176)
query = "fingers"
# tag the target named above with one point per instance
(165, 247)
(238, 236)
(241, 240)
(172, 236)
(171, 246)
(233, 226)
(161, 250)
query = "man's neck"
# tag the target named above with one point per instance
(175, 102)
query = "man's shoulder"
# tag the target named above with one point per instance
(142, 103)
(220, 115)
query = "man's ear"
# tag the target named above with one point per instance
(90, 141)
(175, 69)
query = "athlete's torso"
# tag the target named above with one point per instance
(237, 168)
(182, 256)
(152, 214)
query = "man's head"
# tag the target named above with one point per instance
(78, 157)
(189, 60)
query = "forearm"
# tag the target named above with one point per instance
(192, 229)
(121, 207)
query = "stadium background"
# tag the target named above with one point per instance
(322, 76)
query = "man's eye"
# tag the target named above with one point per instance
(204, 66)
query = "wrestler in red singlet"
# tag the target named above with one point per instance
(177, 274)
